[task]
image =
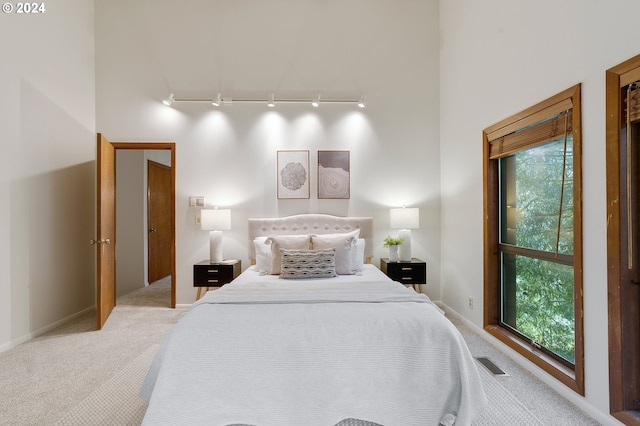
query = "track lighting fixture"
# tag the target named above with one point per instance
(168, 101)
(271, 100)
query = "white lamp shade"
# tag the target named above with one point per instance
(404, 218)
(215, 219)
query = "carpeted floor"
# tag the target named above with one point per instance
(75, 375)
(46, 377)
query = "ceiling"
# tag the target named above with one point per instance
(293, 48)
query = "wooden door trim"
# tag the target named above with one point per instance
(616, 78)
(162, 146)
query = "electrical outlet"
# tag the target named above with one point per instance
(197, 220)
(470, 302)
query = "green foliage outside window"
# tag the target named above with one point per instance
(538, 296)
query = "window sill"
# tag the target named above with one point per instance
(554, 368)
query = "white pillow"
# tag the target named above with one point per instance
(263, 255)
(344, 244)
(295, 242)
(358, 255)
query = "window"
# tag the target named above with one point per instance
(533, 237)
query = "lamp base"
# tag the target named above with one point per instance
(215, 246)
(404, 251)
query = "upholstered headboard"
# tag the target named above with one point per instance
(313, 223)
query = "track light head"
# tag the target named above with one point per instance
(168, 101)
(271, 102)
(316, 101)
(216, 101)
(362, 103)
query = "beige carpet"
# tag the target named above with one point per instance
(46, 377)
(504, 409)
(117, 401)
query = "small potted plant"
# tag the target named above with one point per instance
(393, 243)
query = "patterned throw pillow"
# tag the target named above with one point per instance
(296, 264)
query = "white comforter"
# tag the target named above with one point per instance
(288, 353)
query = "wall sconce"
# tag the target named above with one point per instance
(404, 219)
(215, 221)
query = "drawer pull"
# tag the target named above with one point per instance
(212, 281)
(406, 278)
(215, 271)
(407, 269)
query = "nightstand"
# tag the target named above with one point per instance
(207, 274)
(406, 272)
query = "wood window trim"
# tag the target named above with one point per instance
(574, 379)
(620, 376)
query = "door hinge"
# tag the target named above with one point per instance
(94, 242)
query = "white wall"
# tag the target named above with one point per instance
(131, 221)
(47, 133)
(229, 155)
(498, 58)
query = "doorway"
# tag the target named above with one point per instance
(106, 212)
(623, 238)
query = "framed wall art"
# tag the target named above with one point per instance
(293, 174)
(334, 175)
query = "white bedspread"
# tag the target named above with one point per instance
(292, 353)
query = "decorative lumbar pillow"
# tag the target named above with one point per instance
(345, 246)
(296, 264)
(293, 242)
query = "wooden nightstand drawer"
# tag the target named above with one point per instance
(407, 273)
(207, 274)
(211, 275)
(410, 272)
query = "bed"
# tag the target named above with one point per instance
(288, 343)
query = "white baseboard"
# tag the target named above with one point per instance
(560, 388)
(39, 332)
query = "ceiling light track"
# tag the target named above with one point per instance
(271, 100)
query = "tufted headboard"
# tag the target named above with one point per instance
(313, 223)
